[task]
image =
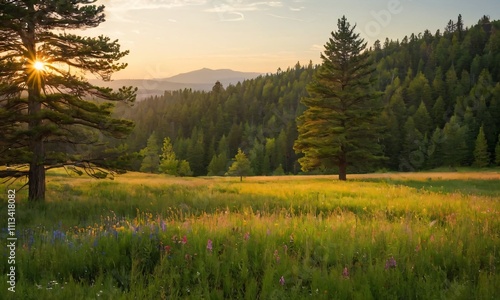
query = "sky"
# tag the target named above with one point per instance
(168, 37)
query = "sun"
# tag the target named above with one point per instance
(38, 65)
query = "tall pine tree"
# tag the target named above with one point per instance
(44, 97)
(338, 126)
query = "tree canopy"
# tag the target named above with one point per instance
(49, 112)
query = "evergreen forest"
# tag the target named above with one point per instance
(441, 108)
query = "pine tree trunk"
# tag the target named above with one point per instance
(241, 178)
(36, 174)
(343, 168)
(36, 179)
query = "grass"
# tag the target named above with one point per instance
(379, 236)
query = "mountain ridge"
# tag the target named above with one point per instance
(201, 79)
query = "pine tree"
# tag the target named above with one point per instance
(44, 102)
(423, 121)
(151, 160)
(168, 163)
(454, 146)
(481, 154)
(218, 165)
(241, 166)
(338, 126)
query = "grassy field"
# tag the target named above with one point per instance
(140, 236)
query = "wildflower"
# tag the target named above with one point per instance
(167, 249)
(247, 236)
(285, 247)
(209, 245)
(184, 240)
(268, 232)
(163, 225)
(345, 273)
(390, 263)
(282, 280)
(291, 238)
(276, 256)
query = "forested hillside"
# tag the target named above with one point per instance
(441, 97)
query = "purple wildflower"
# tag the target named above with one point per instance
(247, 236)
(390, 263)
(209, 245)
(282, 280)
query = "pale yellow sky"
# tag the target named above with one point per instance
(167, 37)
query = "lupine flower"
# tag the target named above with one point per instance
(163, 225)
(184, 240)
(209, 245)
(247, 236)
(345, 272)
(390, 263)
(282, 280)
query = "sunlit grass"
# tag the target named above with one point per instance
(143, 236)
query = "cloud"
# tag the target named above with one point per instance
(317, 47)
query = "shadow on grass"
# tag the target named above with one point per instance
(480, 187)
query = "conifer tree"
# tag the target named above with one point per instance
(169, 164)
(151, 160)
(338, 126)
(241, 166)
(44, 104)
(481, 154)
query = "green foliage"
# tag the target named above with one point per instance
(481, 154)
(47, 119)
(454, 146)
(151, 160)
(184, 168)
(241, 166)
(218, 165)
(338, 127)
(168, 163)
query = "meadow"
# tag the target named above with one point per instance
(143, 236)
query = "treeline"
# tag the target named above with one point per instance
(441, 97)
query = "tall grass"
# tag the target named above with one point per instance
(156, 237)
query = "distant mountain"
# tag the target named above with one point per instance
(204, 76)
(203, 80)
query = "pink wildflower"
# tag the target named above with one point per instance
(209, 245)
(247, 236)
(282, 280)
(184, 240)
(345, 272)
